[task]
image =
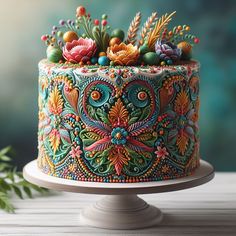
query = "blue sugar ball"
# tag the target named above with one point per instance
(94, 60)
(103, 61)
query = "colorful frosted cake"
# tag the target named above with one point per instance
(117, 108)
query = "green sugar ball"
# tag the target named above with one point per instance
(151, 58)
(118, 33)
(54, 54)
(60, 34)
(144, 49)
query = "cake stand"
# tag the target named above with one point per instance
(121, 208)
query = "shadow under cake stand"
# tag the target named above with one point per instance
(121, 208)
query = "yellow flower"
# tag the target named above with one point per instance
(123, 55)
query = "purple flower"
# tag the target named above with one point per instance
(167, 51)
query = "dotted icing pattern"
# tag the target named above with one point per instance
(118, 124)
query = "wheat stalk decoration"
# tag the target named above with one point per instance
(160, 25)
(147, 27)
(133, 29)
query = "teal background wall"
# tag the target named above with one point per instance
(22, 22)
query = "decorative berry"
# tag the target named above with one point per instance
(163, 63)
(114, 41)
(179, 27)
(101, 54)
(80, 11)
(196, 40)
(112, 63)
(118, 33)
(69, 36)
(104, 16)
(104, 22)
(44, 38)
(60, 34)
(62, 22)
(103, 61)
(187, 28)
(96, 22)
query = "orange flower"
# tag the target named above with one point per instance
(123, 55)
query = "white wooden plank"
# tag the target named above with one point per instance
(206, 210)
(71, 231)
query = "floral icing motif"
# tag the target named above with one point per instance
(161, 152)
(115, 132)
(119, 136)
(92, 128)
(183, 115)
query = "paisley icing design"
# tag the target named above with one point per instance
(118, 124)
(99, 95)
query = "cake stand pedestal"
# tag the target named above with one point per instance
(121, 208)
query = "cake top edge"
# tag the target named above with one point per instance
(46, 63)
(91, 42)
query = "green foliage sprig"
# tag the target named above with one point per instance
(95, 30)
(12, 181)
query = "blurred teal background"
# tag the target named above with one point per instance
(24, 21)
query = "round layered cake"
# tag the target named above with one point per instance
(118, 124)
(116, 106)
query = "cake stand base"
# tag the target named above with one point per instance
(121, 212)
(122, 208)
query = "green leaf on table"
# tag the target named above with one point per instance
(17, 191)
(4, 166)
(4, 186)
(5, 203)
(5, 158)
(12, 181)
(27, 190)
(4, 151)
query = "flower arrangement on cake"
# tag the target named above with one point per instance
(87, 41)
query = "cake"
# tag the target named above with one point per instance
(115, 108)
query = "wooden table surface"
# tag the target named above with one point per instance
(209, 209)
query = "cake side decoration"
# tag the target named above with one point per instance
(115, 107)
(156, 44)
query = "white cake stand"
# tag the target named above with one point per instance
(122, 208)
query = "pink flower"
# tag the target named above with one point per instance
(161, 152)
(80, 50)
(75, 152)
